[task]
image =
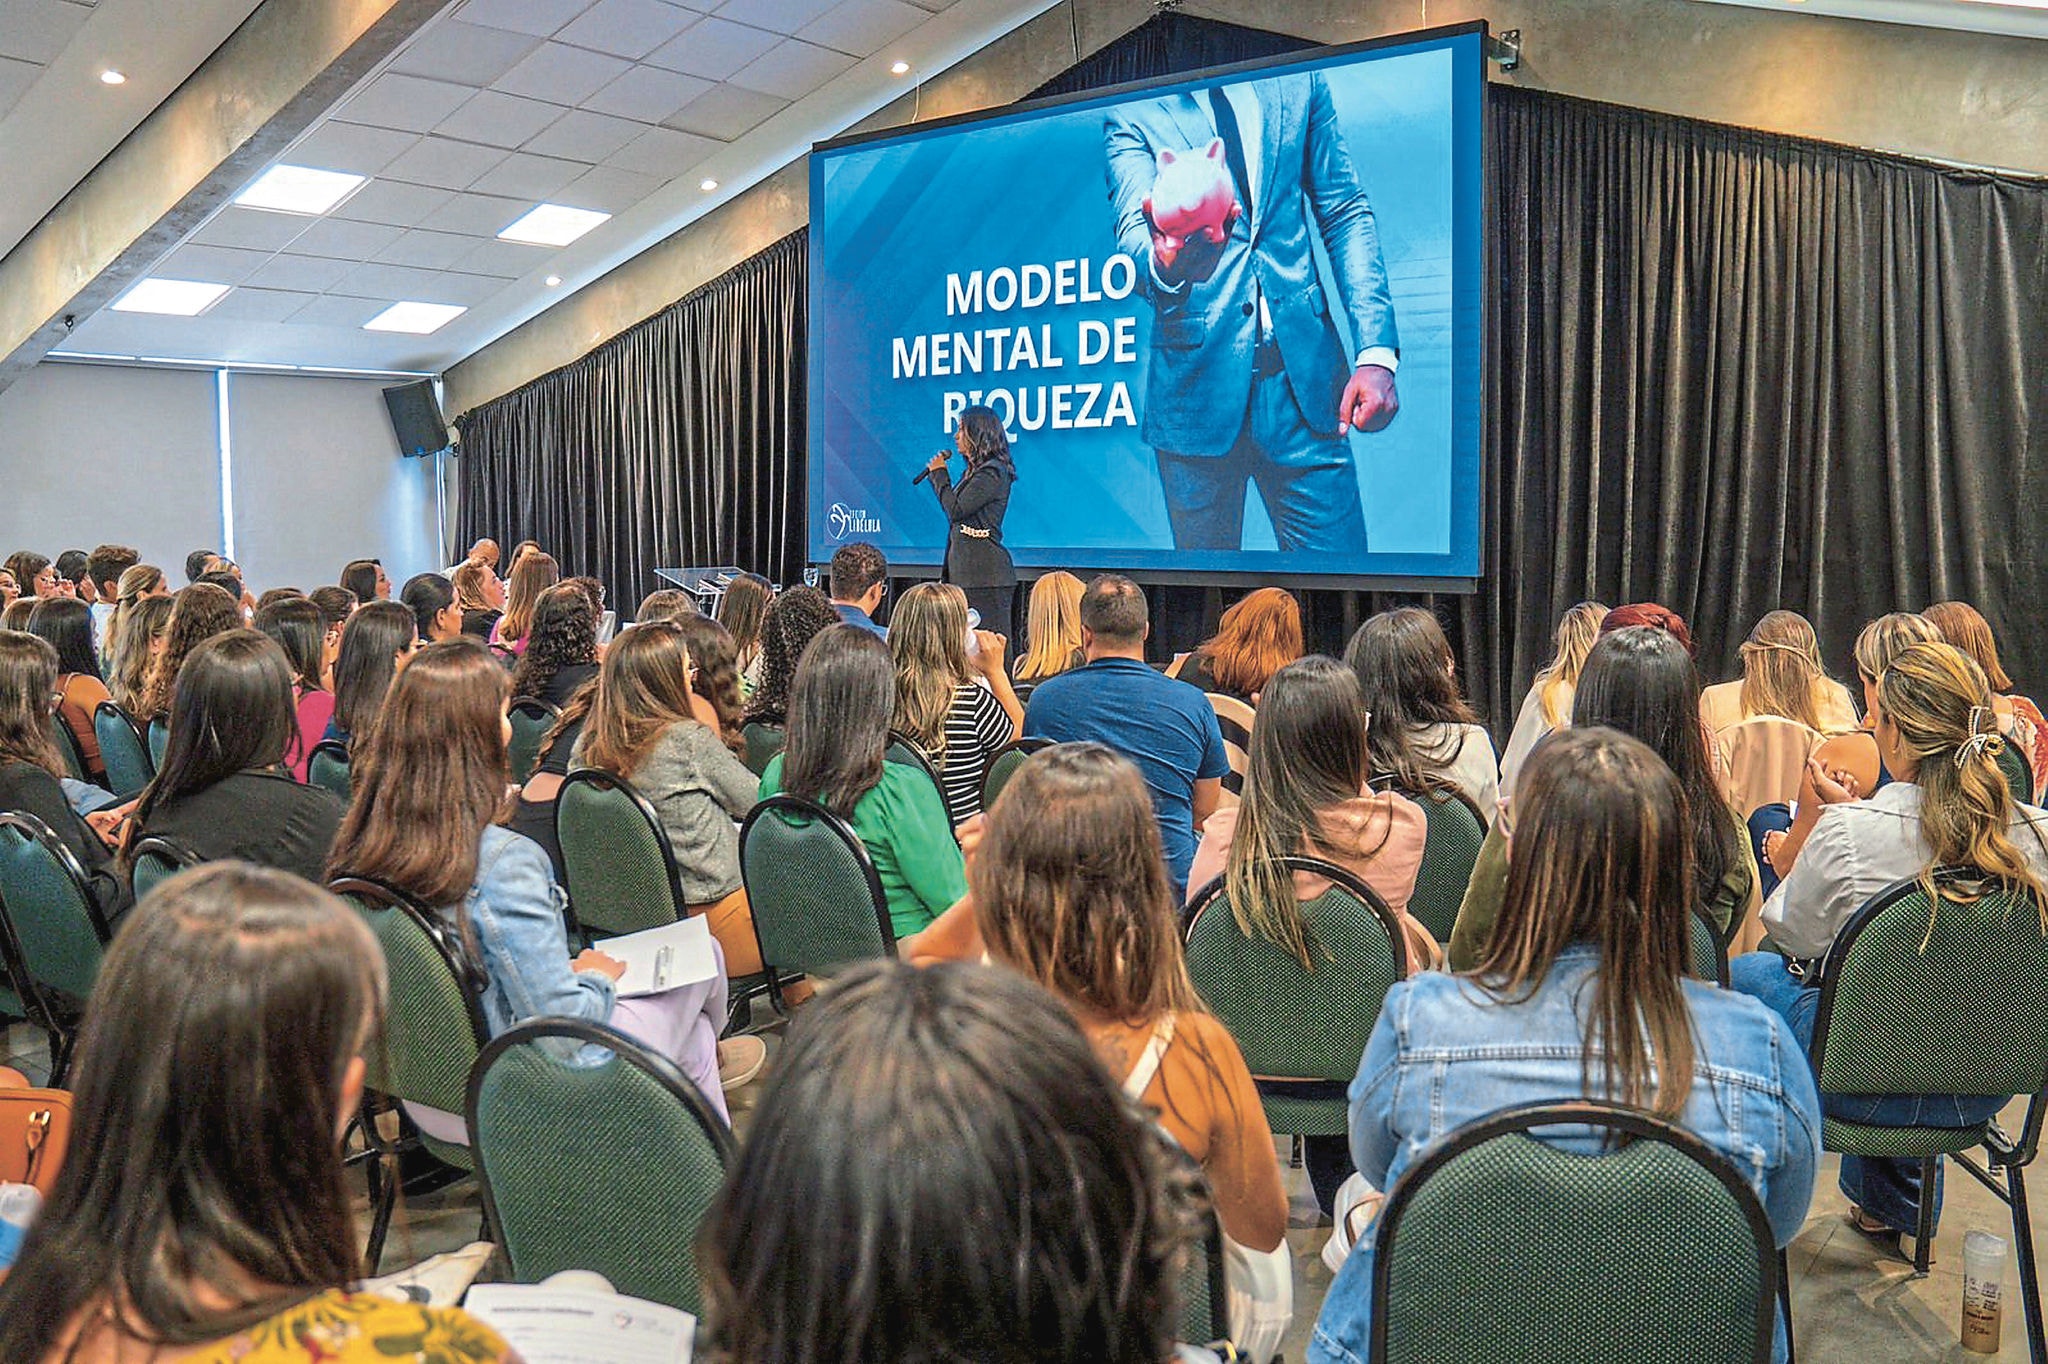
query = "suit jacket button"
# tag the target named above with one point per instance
(1247, 310)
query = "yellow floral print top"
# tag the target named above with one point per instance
(340, 1327)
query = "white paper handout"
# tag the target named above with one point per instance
(664, 958)
(573, 1326)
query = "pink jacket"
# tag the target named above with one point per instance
(1378, 836)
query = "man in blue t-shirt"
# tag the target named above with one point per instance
(1164, 726)
(858, 582)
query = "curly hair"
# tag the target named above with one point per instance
(564, 634)
(198, 613)
(792, 621)
(718, 675)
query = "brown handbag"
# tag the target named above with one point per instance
(35, 1127)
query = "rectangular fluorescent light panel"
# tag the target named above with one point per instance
(417, 319)
(553, 225)
(172, 297)
(299, 189)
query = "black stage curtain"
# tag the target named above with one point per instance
(1728, 371)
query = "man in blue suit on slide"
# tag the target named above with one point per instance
(1247, 378)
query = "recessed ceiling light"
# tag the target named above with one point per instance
(553, 225)
(554, 281)
(173, 297)
(417, 319)
(707, 185)
(299, 189)
(899, 68)
(112, 77)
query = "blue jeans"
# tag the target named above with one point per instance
(1776, 817)
(1885, 1188)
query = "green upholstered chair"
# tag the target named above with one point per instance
(1456, 831)
(122, 750)
(1294, 1024)
(1004, 765)
(68, 750)
(159, 742)
(531, 719)
(53, 933)
(549, 1117)
(1204, 1296)
(1708, 954)
(434, 1030)
(907, 751)
(2017, 770)
(155, 860)
(1496, 1248)
(1916, 999)
(817, 901)
(763, 743)
(327, 766)
(620, 867)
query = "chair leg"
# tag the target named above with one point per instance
(2030, 1277)
(1785, 1305)
(1923, 1247)
(60, 1057)
(386, 1195)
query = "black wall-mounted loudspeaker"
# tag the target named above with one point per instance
(416, 418)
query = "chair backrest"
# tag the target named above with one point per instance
(55, 935)
(2012, 762)
(434, 1022)
(1204, 1294)
(1763, 759)
(531, 719)
(1965, 1013)
(68, 749)
(817, 902)
(549, 1117)
(157, 859)
(620, 866)
(327, 766)
(159, 742)
(1004, 765)
(1450, 848)
(1234, 718)
(1293, 1023)
(906, 750)
(1707, 956)
(763, 743)
(1496, 1246)
(122, 750)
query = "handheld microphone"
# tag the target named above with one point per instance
(923, 474)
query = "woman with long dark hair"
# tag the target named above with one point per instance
(792, 622)
(561, 648)
(66, 623)
(741, 610)
(838, 733)
(436, 613)
(198, 613)
(1425, 737)
(301, 631)
(32, 771)
(1585, 972)
(374, 643)
(959, 708)
(976, 561)
(221, 1060)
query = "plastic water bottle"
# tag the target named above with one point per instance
(19, 1204)
(973, 624)
(1983, 1291)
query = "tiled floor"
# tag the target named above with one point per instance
(1852, 1303)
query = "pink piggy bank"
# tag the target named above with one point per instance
(1191, 194)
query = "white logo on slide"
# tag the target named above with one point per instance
(847, 521)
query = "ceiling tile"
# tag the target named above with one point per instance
(500, 120)
(338, 311)
(37, 30)
(647, 94)
(252, 228)
(444, 163)
(427, 250)
(524, 176)
(398, 282)
(581, 135)
(344, 240)
(209, 264)
(792, 69)
(477, 215)
(393, 202)
(863, 27)
(726, 112)
(627, 28)
(784, 16)
(467, 54)
(349, 147)
(562, 74)
(15, 79)
(507, 260)
(468, 290)
(259, 305)
(310, 274)
(608, 189)
(662, 152)
(408, 102)
(713, 48)
(538, 17)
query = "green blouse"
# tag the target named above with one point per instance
(903, 823)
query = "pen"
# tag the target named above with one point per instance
(661, 964)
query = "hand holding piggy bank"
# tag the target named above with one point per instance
(1192, 206)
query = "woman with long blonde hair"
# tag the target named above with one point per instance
(532, 574)
(135, 584)
(480, 592)
(2019, 719)
(138, 639)
(1548, 705)
(1052, 628)
(1783, 675)
(960, 722)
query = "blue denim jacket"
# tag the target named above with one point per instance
(515, 908)
(1444, 1054)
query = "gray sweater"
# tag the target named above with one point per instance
(698, 788)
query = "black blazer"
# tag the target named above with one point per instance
(27, 789)
(978, 503)
(261, 817)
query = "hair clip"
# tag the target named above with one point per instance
(1978, 715)
(1977, 744)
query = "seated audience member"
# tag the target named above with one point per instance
(300, 630)
(561, 647)
(17, 614)
(71, 567)
(670, 603)
(139, 640)
(431, 599)
(336, 605)
(32, 771)
(67, 624)
(1035, 1178)
(1424, 735)
(198, 613)
(1069, 890)
(648, 724)
(481, 594)
(1782, 675)
(960, 722)
(429, 784)
(1165, 727)
(1585, 970)
(137, 582)
(1257, 637)
(223, 790)
(838, 732)
(1052, 631)
(483, 552)
(1640, 682)
(374, 644)
(533, 805)
(104, 568)
(522, 551)
(715, 676)
(273, 595)
(1947, 805)
(793, 621)
(196, 562)
(741, 610)
(531, 576)
(227, 582)
(10, 590)
(1548, 706)
(2019, 719)
(859, 579)
(365, 578)
(592, 590)
(36, 574)
(222, 1057)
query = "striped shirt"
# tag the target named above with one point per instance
(977, 728)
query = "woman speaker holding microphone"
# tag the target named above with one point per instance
(976, 561)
